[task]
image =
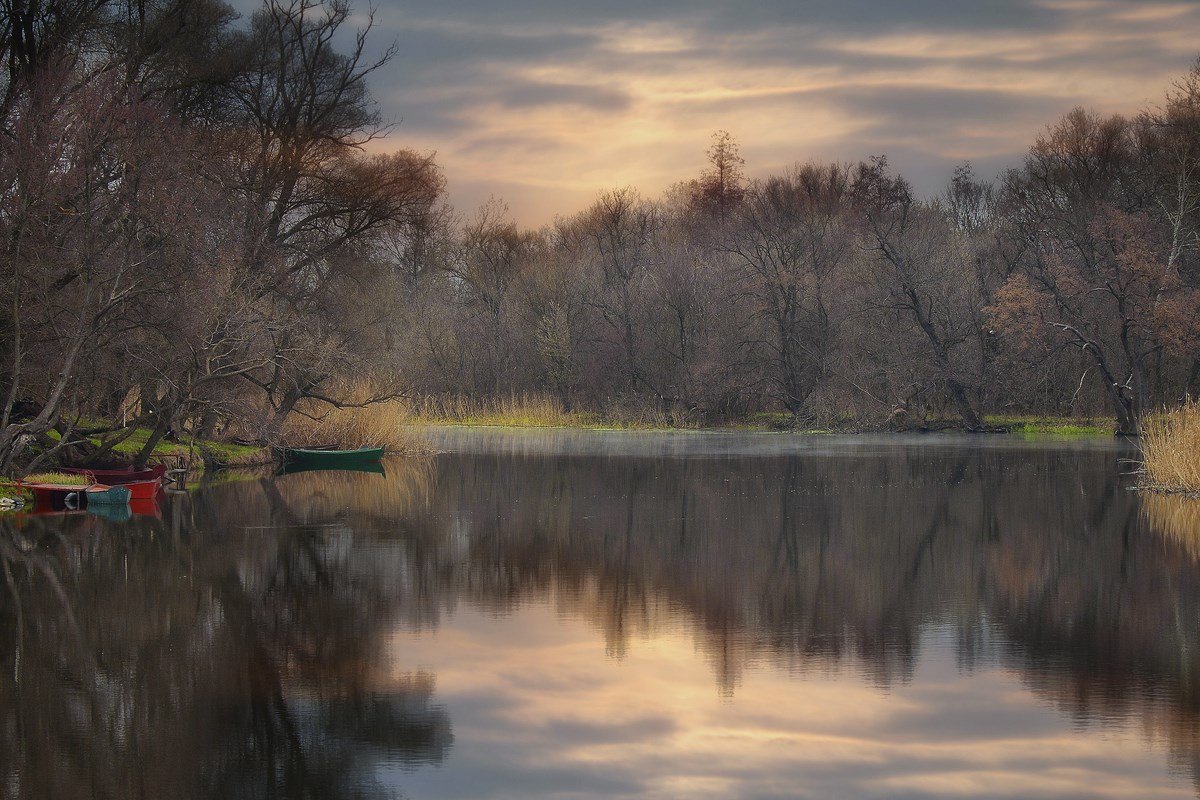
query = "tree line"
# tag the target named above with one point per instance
(203, 235)
(833, 292)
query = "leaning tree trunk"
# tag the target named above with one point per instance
(941, 357)
(962, 404)
(271, 433)
(162, 426)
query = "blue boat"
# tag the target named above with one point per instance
(98, 494)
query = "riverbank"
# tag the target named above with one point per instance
(192, 455)
(346, 428)
(537, 412)
(391, 425)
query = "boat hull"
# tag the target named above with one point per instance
(53, 496)
(107, 495)
(330, 459)
(119, 477)
(144, 490)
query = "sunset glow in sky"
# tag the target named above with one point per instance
(545, 103)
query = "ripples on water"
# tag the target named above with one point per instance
(571, 614)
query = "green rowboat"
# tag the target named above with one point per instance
(330, 459)
(100, 495)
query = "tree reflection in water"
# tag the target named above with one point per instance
(241, 645)
(204, 656)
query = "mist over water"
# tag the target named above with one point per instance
(555, 613)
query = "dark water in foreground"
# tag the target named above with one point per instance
(600, 615)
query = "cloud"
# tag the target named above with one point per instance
(540, 93)
(547, 103)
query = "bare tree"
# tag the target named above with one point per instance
(918, 270)
(792, 238)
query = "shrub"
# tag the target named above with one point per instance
(1170, 442)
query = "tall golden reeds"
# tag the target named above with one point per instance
(519, 410)
(380, 424)
(389, 423)
(1170, 442)
(535, 410)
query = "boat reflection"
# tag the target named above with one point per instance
(292, 468)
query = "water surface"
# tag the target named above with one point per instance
(572, 614)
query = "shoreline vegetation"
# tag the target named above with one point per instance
(393, 423)
(542, 411)
(1170, 442)
(359, 423)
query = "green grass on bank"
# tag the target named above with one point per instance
(533, 410)
(1034, 426)
(224, 453)
(588, 422)
(1028, 426)
(236, 455)
(12, 493)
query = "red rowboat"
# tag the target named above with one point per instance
(55, 495)
(143, 490)
(120, 476)
(50, 495)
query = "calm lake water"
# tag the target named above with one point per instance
(570, 614)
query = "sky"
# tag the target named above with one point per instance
(545, 103)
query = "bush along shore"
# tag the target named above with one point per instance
(1170, 442)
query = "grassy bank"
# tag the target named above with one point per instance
(1034, 426)
(12, 493)
(223, 453)
(541, 411)
(390, 424)
(1170, 442)
(22, 495)
(192, 454)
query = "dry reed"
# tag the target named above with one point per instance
(380, 424)
(533, 410)
(389, 424)
(1170, 442)
(526, 410)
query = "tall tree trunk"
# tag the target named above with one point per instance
(164, 413)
